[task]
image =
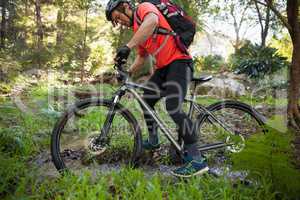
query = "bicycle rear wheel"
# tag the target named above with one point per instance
(74, 131)
(241, 120)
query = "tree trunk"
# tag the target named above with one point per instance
(59, 27)
(294, 87)
(237, 24)
(236, 43)
(265, 31)
(263, 26)
(3, 23)
(39, 24)
(294, 82)
(59, 35)
(27, 5)
(40, 32)
(84, 53)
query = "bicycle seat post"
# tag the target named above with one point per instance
(193, 90)
(193, 98)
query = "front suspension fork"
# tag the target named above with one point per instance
(103, 137)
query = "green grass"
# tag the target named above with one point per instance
(134, 184)
(24, 135)
(105, 90)
(270, 101)
(248, 99)
(207, 100)
(12, 169)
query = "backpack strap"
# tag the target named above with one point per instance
(138, 19)
(161, 46)
(173, 14)
(157, 30)
(161, 6)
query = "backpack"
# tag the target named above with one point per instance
(183, 27)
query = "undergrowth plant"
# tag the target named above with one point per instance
(134, 184)
(268, 161)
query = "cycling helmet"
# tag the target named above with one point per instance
(111, 5)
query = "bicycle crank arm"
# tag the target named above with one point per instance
(217, 145)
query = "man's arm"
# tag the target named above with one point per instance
(137, 64)
(145, 30)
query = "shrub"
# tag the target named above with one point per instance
(9, 68)
(255, 61)
(13, 141)
(11, 171)
(269, 158)
(209, 63)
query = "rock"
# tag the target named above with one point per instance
(259, 107)
(226, 88)
(230, 75)
(37, 73)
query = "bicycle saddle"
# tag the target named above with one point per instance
(202, 79)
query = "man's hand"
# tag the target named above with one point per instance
(137, 64)
(122, 54)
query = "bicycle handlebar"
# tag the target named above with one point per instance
(123, 76)
(122, 73)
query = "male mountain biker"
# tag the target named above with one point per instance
(172, 74)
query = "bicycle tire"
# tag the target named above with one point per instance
(82, 109)
(244, 120)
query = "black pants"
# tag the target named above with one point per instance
(172, 81)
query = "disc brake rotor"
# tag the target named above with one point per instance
(237, 143)
(93, 147)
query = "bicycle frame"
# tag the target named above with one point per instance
(212, 119)
(131, 87)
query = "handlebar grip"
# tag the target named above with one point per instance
(120, 63)
(122, 73)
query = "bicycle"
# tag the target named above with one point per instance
(85, 136)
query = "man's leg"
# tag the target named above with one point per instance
(151, 98)
(178, 78)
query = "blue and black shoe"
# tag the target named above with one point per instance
(192, 167)
(149, 146)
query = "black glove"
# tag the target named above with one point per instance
(122, 54)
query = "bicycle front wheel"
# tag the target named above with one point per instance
(232, 123)
(83, 122)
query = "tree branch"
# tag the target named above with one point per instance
(259, 15)
(282, 18)
(247, 29)
(235, 23)
(267, 23)
(243, 14)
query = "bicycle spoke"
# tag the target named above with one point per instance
(241, 124)
(81, 129)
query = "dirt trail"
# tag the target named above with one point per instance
(151, 164)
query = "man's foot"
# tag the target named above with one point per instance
(148, 146)
(191, 168)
